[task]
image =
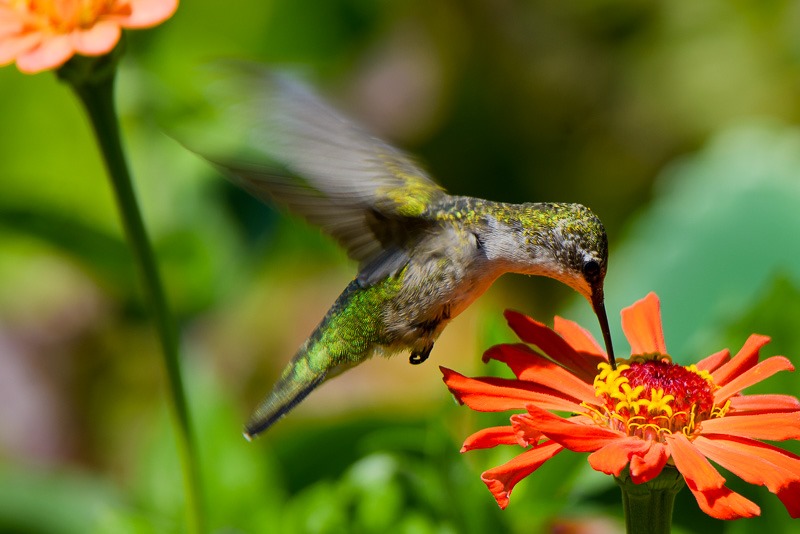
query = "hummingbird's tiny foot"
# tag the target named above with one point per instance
(417, 357)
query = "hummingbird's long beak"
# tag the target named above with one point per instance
(598, 304)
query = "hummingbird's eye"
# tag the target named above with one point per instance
(591, 269)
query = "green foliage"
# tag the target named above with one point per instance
(676, 122)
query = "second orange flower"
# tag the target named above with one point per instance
(43, 34)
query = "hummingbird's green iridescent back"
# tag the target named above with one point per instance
(423, 255)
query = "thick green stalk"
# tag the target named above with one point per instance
(93, 81)
(648, 506)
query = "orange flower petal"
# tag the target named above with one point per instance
(613, 457)
(696, 470)
(755, 374)
(502, 479)
(527, 434)
(580, 338)
(648, 466)
(551, 344)
(147, 13)
(772, 426)
(706, 483)
(51, 52)
(10, 22)
(746, 358)
(501, 394)
(13, 45)
(532, 367)
(724, 504)
(711, 363)
(574, 436)
(97, 40)
(764, 403)
(757, 463)
(641, 323)
(490, 437)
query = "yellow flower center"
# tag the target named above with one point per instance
(649, 396)
(63, 16)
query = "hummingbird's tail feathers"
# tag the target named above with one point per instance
(287, 393)
(346, 337)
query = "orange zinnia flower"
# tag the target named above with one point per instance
(646, 414)
(44, 34)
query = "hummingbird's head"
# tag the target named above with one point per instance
(568, 242)
(572, 244)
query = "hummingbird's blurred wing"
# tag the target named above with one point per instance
(369, 196)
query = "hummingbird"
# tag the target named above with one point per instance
(423, 255)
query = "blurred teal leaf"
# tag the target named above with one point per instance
(777, 313)
(721, 224)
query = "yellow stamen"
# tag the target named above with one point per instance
(648, 396)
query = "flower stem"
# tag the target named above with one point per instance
(93, 81)
(648, 506)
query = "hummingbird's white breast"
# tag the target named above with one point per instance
(445, 274)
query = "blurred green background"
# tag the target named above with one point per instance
(676, 122)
